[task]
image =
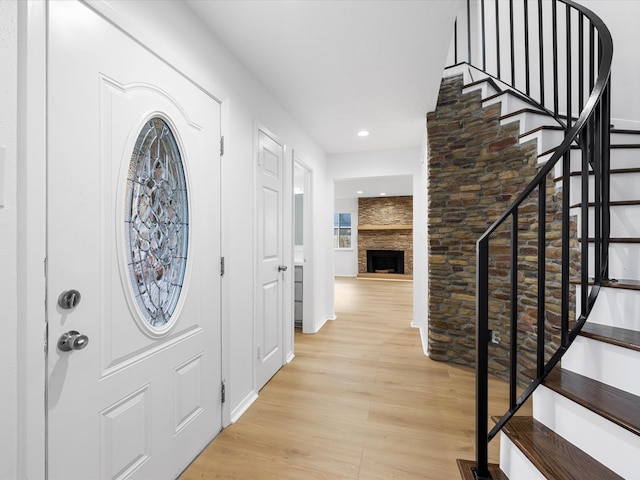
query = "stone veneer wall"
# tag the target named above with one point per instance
(476, 168)
(385, 211)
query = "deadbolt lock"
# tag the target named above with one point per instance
(69, 299)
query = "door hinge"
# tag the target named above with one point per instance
(222, 145)
(260, 156)
(223, 391)
(222, 266)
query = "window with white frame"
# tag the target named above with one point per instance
(342, 230)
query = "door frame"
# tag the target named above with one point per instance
(31, 229)
(287, 325)
(32, 225)
(307, 247)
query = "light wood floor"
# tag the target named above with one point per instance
(359, 401)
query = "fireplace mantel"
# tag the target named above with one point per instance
(385, 227)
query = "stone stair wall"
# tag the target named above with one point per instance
(477, 166)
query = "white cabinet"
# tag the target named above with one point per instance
(297, 296)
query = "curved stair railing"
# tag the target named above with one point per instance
(558, 54)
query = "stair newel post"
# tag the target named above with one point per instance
(482, 358)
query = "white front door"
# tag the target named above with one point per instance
(132, 226)
(271, 266)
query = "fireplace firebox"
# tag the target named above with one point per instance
(385, 261)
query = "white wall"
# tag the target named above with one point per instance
(621, 16)
(407, 161)
(345, 260)
(8, 238)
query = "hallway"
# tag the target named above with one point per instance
(359, 401)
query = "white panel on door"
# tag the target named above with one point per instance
(126, 435)
(272, 162)
(188, 392)
(271, 338)
(270, 199)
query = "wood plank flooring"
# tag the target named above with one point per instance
(359, 401)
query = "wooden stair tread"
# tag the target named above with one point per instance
(525, 110)
(613, 171)
(488, 80)
(628, 284)
(625, 145)
(577, 147)
(622, 283)
(543, 127)
(465, 467)
(616, 239)
(625, 130)
(615, 405)
(617, 336)
(615, 203)
(551, 454)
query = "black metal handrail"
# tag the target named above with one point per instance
(580, 62)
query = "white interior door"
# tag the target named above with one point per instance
(133, 226)
(272, 268)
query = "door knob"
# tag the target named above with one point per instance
(282, 268)
(69, 299)
(72, 341)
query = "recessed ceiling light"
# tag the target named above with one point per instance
(382, 194)
(363, 133)
(359, 192)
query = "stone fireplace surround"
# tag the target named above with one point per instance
(385, 223)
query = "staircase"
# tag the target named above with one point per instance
(586, 413)
(584, 385)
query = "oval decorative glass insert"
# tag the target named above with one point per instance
(157, 223)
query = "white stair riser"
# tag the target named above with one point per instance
(613, 446)
(529, 121)
(513, 462)
(509, 103)
(624, 186)
(620, 158)
(625, 138)
(624, 261)
(625, 157)
(616, 307)
(606, 363)
(624, 220)
(485, 89)
(547, 139)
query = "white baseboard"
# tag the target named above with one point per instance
(424, 336)
(244, 405)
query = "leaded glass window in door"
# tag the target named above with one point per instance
(157, 223)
